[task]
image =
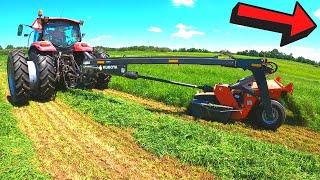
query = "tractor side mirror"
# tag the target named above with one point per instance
(20, 29)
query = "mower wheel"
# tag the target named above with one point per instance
(18, 77)
(279, 116)
(47, 77)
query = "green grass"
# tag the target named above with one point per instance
(227, 155)
(306, 78)
(17, 156)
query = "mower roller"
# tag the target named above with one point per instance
(57, 59)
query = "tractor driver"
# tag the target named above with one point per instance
(58, 36)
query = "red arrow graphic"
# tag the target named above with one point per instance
(292, 26)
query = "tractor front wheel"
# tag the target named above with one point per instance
(47, 77)
(18, 77)
(278, 113)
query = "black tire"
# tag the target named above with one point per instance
(207, 97)
(47, 77)
(18, 77)
(102, 81)
(99, 53)
(279, 115)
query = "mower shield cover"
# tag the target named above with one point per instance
(276, 88)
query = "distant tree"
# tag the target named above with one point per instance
(224, 52)
(9, 46)
(182, 50)
(1, 47)
(152, 48)
(253, 53)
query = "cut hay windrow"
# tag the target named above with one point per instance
(294, 137)
(225, 154)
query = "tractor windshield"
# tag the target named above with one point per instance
(62, 34)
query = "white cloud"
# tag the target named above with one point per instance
(241, 27)
(306, 52)
(155, 29)
(188, 3)
(317, 13)
(186, 32)
(99, 40)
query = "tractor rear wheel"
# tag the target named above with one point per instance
(47, 77)
(279, 116)
(99, 53)
(102, 81)
(18, 77)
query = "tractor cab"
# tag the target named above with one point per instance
(60, 33)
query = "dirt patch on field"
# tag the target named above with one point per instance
(72, 146)
(293, 137)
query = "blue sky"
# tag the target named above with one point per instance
(168, 23)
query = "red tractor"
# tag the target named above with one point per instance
(55, 59)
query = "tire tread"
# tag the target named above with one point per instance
(47, 77)
(21, 76)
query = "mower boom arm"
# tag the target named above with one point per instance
(259, 67)
(244, 64)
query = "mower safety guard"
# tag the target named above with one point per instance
(276, 88)
(288, 88)
(258, 67)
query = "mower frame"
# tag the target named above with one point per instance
(260, 68)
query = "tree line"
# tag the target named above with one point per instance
(9, 47)
(153, 48)
(275, 53)
(135, 48)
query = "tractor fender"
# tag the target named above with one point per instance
(44, 46)
(33, 75)
(82, 47)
